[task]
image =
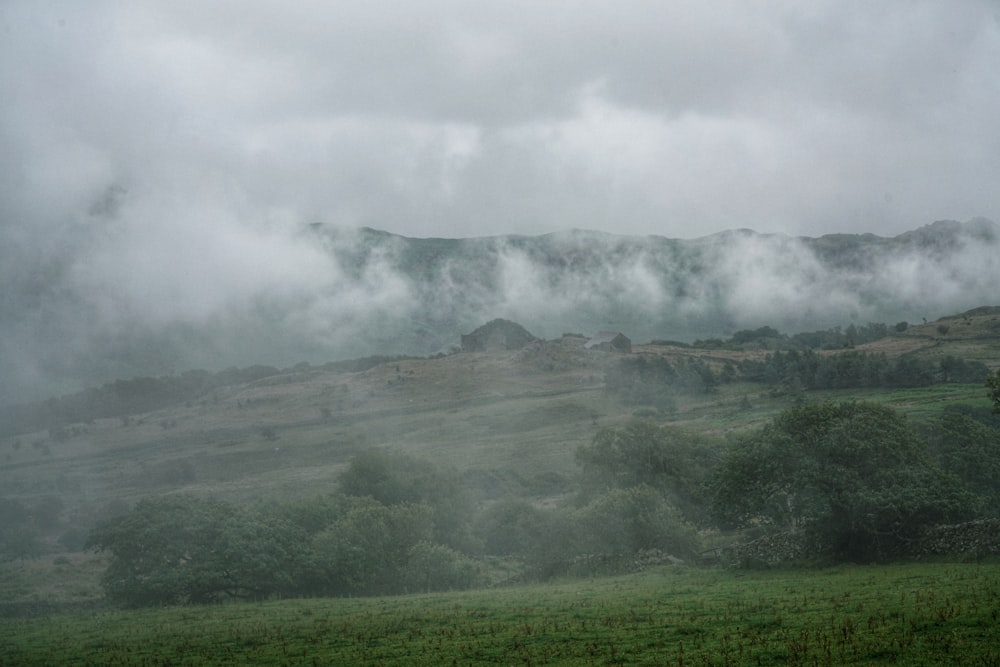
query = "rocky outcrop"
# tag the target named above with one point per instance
(498, 334)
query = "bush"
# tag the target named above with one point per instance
(435, 567)
(182, 549)
(633, 520)
(854, 476)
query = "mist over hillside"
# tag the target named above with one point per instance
(118, 303)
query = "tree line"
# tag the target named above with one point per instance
(835, 338)
(655, 381)
(848, 370)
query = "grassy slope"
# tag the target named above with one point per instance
(510, 420)
(918, 614)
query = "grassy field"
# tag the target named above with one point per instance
(912, 614)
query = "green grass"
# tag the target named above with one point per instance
(913, 614)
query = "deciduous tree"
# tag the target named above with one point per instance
(853, 476)
(394, 478)
(676, 464)
(184, 549)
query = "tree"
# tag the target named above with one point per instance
(435, 567)
(993, 385)
(852, 477)
(627, 521)
(184, 549)
(675, 463)
(395, 478)
(511, 527)
(543, 540)
(971, 450)
(365, 550)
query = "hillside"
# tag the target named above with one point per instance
(511, 420)
(367, 292)
(674, 288)
(508, 421)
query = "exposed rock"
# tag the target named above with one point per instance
(499, 334)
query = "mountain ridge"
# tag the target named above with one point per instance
(373, 292)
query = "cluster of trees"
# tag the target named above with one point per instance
(835, 338)
(655, 381)
(854, 481)
(396, 526)
(399, 524)
(799, 370)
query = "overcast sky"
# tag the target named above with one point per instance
(480, 118)
(159, 159)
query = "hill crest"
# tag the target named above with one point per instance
(377, 293)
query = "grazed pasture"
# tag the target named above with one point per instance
(908, 614)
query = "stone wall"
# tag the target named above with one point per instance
(977, 539)
(973, 539)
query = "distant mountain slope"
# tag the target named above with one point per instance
(659, 287)
(365, 291)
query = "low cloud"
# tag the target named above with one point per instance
(224, 293)
(160, 163)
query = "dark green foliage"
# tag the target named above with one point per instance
(626, 521)
(847, 370)
(366, 548)
(827, 339)
(182, 549)
(511, 527)
(980, 413)
(394, 478)
(395, 530)
(837, 338)
(542, 540)
(638, 483)
(854, 476)
(435, 567)
(358, 545)
(676, 464)
(969, 449)
(993, 386)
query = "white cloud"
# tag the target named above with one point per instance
(232, 124)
